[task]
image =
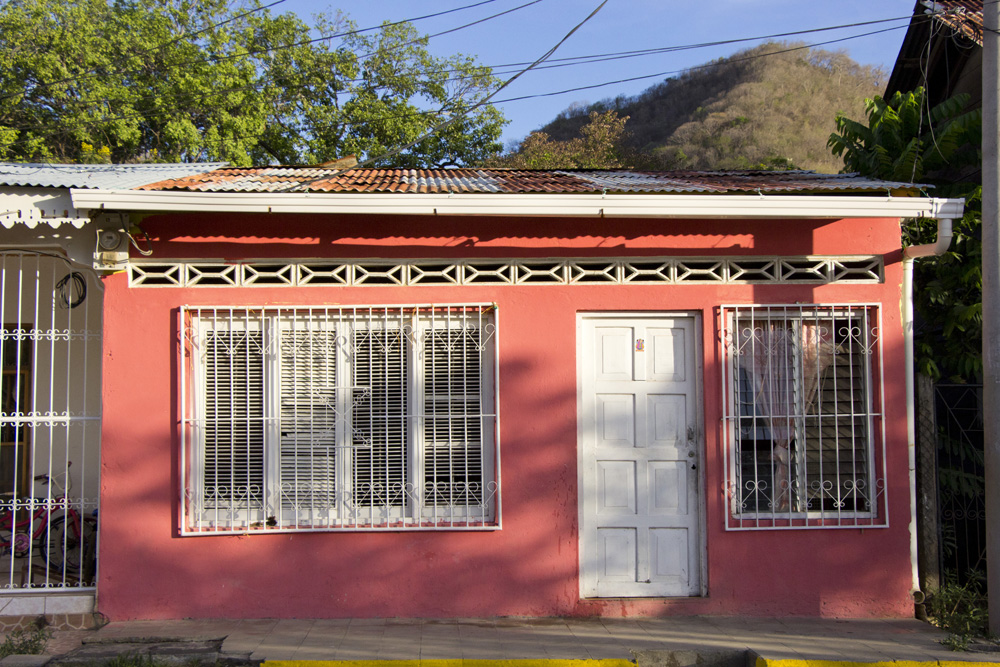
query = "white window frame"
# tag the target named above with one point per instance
(406, 504)
(740, 334)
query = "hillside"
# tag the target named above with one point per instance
(766, 107)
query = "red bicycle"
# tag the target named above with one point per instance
(65, 539)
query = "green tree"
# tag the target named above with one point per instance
(903, 140)
(186, 80)
(598, 147)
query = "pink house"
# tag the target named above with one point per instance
(478, 393)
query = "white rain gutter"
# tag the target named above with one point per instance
(910, 254)
(535, 205)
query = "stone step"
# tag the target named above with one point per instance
(184, 652)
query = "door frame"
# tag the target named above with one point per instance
(700, 478)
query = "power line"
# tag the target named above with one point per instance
(524, 97)
(95, 72)
(595, 58)
(451, 121)
(211, 27)
(560, 62)
(484, 101)
(158, 47)
(725, 42)
(696, 67)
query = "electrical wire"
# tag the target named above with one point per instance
(232, 137)
(95, 72)
(256, 52)
(584, 59)
(696, 67)
(568, 61)
(593, 58)
(91, 73)
(553, 64)
(924, 62)
(72, 290)
(446, 124)
(481, 103)
(557, 62)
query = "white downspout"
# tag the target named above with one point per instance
(909, 255)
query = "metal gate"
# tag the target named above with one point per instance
(50, 411)
(961, 490)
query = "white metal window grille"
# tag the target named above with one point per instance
(339, 418)
(803, 416)
(621, 271)
(50, 386)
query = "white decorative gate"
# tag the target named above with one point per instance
(50, 411)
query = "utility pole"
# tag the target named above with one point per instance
(991, 304)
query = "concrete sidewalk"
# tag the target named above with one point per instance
(674, 642)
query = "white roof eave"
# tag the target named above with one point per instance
(35, 206)
(533, 205)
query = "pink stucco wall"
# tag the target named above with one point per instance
(530, 567)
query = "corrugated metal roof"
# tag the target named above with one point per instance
(103, 176)
(317, 179)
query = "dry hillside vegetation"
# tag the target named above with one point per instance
(764, 108)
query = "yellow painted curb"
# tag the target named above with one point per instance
(451, 663)
(764, 662)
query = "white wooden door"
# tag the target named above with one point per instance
(639, 457)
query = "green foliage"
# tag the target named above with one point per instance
(185, 80)
(31, 641)
(599, 147)
(949, 298)
(960, 479)
(962, 611)
(763, 108)
(901, 140)
(132, 660)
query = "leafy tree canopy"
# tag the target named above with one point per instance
(188, 80)
(903, 140)
(599, 147)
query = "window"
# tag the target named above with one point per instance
(803, 416)
(340, 418)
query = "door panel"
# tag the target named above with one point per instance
(668, 487)
(616, 357)
(667, 423)
(616, 420)
(616, 487)
(639, 452)
(618, 547)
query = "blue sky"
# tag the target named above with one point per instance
(622, 25)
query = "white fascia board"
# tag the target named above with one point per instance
(534, 205)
